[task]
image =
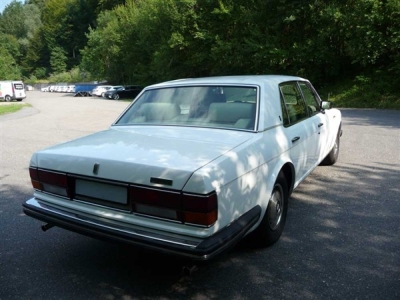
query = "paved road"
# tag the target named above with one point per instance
(341, 241)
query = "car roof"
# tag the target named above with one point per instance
(238, 79)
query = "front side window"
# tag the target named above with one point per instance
(232, 107)
(310, 98)
(293, 102)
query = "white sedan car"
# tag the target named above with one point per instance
(100, 90)
(191, 166)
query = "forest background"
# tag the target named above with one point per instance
(349, 50)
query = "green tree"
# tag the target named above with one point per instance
(12, 20)
(37, 55)
(9, 69)
(101, 56)
(109, 4)
(58, 60)
(78, 19)
(32, 20)
(9, 53)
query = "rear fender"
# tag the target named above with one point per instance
(284, 165)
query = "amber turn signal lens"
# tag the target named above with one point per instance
(206, 219)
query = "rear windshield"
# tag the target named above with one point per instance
(18, 86)
(232, 107)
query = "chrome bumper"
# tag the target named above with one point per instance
(110, 230)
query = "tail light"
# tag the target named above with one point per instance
(199, 209)
(185, 208)
(181, 207)
(155, 202)
(48, 181)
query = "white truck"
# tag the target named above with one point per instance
(12, 90)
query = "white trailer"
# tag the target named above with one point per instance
(12, 90)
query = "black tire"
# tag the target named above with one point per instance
(333, 155)
(7, 98)
(115, 96)
(273, 222)
(19, 99)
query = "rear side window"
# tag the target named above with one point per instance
(18, 86)
(293, 103)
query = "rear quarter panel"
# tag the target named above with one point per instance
(243, 177)
(333, 120)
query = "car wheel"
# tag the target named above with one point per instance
(333, 155)
(115, 96)
(273, 222)
(102, 95)
(7, 98)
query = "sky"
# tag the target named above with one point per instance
(4, 3)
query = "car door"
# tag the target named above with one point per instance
(298, 128)
(319, 121)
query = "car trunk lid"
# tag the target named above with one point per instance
(144, 155)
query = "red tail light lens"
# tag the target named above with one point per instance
(153, 202)
(185, 208)
(51, 182)
(154, 197)
(200, 203)
(57, 179)
(34, 174)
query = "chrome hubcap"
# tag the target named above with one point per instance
(335, 148)
(275, 208)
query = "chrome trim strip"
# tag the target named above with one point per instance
(134, 232)
(271, 127)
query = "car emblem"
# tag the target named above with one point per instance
(96, 168)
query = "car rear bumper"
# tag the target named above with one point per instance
(104, 229)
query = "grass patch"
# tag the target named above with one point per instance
(375, 91)
(10, 108)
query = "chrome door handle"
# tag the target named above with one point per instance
(320, 125)
(295, 139)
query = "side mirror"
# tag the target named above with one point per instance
(326, 105)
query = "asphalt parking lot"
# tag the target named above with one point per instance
(341, 240)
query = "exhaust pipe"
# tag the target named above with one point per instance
(47, 226)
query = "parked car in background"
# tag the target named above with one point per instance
(12, 90)
(100, 90)
(126, 92)
(191, 166)
(71, 89)
(112, 89)
(45, 89)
